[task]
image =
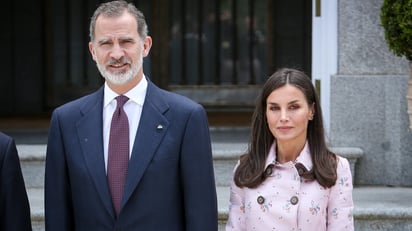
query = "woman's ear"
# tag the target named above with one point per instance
(311, 111)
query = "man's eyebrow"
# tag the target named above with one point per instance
(127, 39)
(104, 40)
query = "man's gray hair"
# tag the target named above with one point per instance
(116, 9)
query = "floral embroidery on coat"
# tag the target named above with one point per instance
(316, 208)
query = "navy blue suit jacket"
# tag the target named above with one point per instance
(170, 183)
(14, 204)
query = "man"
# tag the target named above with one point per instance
(14, 204)
(167, 182)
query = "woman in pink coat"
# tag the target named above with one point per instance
(289, 179)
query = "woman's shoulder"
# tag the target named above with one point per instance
(342, 160)
(343, 167)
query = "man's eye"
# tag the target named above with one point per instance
(105, 44)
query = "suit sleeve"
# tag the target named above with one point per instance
(14, 204)
(197, 174)
(340, 207)
(58, 206)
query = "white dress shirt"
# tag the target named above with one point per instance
(133, 109)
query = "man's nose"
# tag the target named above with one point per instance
(117, 52)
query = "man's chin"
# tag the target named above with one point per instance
(118, 81)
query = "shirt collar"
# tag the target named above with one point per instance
(137, 94)
(303, 158)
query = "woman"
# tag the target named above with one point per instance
(289, 179)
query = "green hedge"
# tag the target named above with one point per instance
(396, 19)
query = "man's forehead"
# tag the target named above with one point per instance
(118, 27)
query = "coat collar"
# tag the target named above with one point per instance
(304, 157)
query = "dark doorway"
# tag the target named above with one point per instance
(217, 52)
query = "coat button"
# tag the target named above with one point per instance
(260, 200)
(301, 168)
(269, 170)
(294, 200)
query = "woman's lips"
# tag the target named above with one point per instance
(284, 128)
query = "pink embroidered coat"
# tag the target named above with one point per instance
(285, 201)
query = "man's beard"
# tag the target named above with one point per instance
(119, 77)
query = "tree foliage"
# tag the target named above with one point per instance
(396, 19)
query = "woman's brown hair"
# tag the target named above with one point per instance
(251, 168)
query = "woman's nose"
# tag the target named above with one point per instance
(284, 115)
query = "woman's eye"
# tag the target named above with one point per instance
(294, 107)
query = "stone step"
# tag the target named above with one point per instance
(377, 208)
(32, 160)
(225, 157)
(227, 144)
(384, 211)
(36, 199)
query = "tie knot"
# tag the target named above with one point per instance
(121, 100)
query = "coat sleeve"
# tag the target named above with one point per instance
(58, 206)
(236, 219)
(197, 174)
(340, 208)
(14, 204)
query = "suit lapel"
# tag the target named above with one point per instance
(152, 127)
(90, 133)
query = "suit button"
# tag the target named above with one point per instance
(294, 200)
(260, 200)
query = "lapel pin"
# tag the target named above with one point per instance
(159, 127)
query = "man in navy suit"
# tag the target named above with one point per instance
(14, 204)
(169, 183)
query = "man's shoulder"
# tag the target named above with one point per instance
(5, 142)
(78, 103)
(180, 102)
(4, 139)
(3, 136)
(173, 96)
(172, 99)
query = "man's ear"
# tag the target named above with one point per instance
(92, 51)
(147, 45)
